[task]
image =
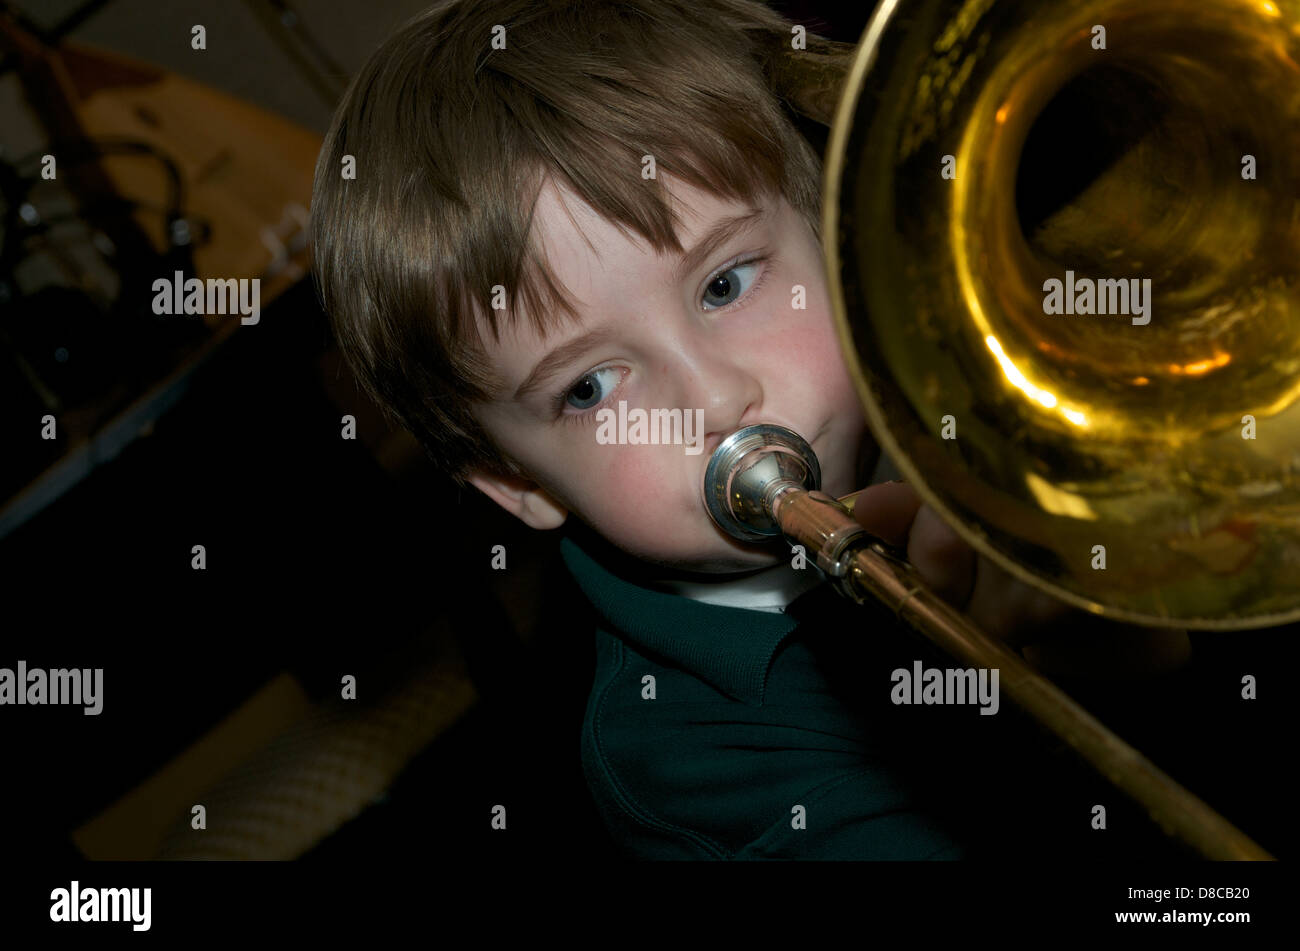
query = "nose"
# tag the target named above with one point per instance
(730, 395)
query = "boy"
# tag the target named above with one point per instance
(561, 206)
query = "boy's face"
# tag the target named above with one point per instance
(722, 337)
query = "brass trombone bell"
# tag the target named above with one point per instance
(1146, 472)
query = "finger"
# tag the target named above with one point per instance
(887, 510)
(1010, 609)
(942, 557)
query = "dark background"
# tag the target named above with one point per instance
(324, 558)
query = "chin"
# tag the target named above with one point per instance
(746, 556)
(726, 555)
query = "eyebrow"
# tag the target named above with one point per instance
(722, 230)
(560, 356)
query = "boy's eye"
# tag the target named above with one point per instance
(590, 390)
(725, 287)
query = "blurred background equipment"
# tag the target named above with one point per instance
(153, 174)
(222, 687)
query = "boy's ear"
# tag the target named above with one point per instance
(520, 497)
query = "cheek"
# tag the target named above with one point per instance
(633, 490)
(809, 356)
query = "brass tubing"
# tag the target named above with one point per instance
(872, 572)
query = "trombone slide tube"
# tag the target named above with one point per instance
(862, 568)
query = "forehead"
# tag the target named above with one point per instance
(579, 245)
(604, 272)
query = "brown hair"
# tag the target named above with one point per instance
(453, 140)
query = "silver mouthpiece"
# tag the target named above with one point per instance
(746, 471)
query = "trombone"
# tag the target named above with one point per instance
(1146, 471)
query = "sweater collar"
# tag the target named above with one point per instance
(730, 648)
(771, 589)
